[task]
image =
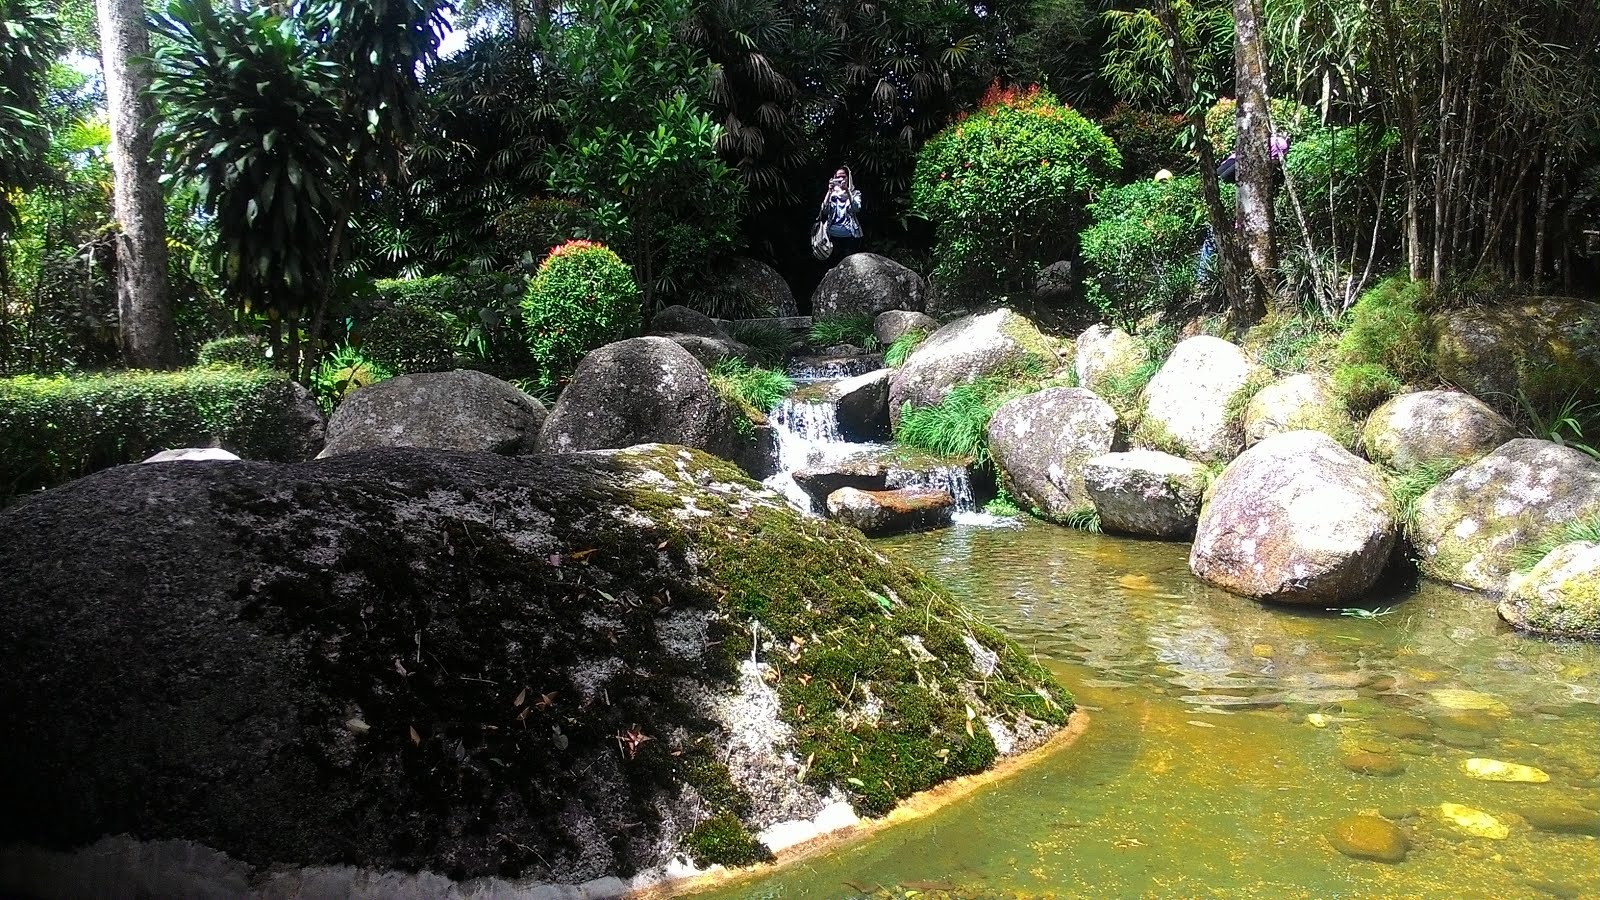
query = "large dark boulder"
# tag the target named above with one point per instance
(758, 288)
(867, 284)
(862, 403)
(460, 410)
(650, 390)
(697, 333)
(476, 665)
(1494, 351)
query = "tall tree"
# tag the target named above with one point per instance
(1253, 150)
(142, 301)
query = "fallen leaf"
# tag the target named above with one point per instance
(581, 555)
(521, 698)
(416, 739)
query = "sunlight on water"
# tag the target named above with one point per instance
(1226, 739)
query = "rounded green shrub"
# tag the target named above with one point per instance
(583, 296)
(1005, 188)
(244, 352)
(1142, 248)
(342, 373)
(1148, 141)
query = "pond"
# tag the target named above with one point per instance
(1225, 735)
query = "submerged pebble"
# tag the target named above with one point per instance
(1498, 770)
(1369, 837)
(1364, 762)
(1473, 822)
(1561, 819)
(1403, 727)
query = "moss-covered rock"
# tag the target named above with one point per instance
(1529, 346)
(1104, 353)
(1470, 527)
(558, 667)
(998, 343)
(1369, 837)
(1298, 403)
(1425, 428)
(1561, 596)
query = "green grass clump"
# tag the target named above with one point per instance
(1084, 518)
(1388, 342)
(770, 341)
(1292, 344)
(1405, 489)
(1363, 387)
(959, 426)
(1582, 530)
(752, 388)
(902, 347)
(1003, 504)
(845, 328)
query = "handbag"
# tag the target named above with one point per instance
(821, 244)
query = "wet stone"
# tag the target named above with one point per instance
(1404, 727)
(1364, 762)
(1559, 818)
(1399, 813)
(1461, 740)
(1369, 837)
(1476, 721)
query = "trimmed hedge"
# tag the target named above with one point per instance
(59, 428)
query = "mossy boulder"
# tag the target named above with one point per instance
(558, 668)
(648, 390)
(1426, 428)
(868, 284)
(1145, 492)
(1104, 352)
(1469, 528)
(460, 410)
(1298, 403)
(1296, 519)
(759, 288)
(894, 324)
(1000, 343)
(1561, 596)
(1192, 407)
(1039, 444)
(1531, 345)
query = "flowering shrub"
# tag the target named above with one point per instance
(583, 296)
(1005, 188)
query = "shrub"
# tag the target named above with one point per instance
(1142, 248)
(1388, 342)
(56, 429)
(480, 313)
(245, 352)
(405, 339)
(903, 346)
(854, 329)
(751, 388)
(1292, 343)
(583, 296)
(1147, 141)
(1005, 186)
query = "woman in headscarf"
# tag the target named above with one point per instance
(837, 231)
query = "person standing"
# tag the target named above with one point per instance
(837, 231)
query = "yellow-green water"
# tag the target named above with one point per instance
(1204, 772)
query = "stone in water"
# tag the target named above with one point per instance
(1496, 770)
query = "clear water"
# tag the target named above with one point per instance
(1204, 772)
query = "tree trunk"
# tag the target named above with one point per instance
(143, 307)
(1255, 158)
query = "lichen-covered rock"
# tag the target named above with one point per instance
(1190, 405)
(649, 390)
(819, 481)
(1561, 596)
(1298, 403)
(891, 511)
(1428, 427)
(764, 288)
(1040, 442)
(1495, 351)
(1296, 519)
(1468, 529)
(862, 405)
(866, 283)
(891, 326)
(1104, 353)
(460, 410)
(393, 660)
(995, 343)
(1145, 492)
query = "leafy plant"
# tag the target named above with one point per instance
(582, 297)
(1371, 615)
(1406, 488)
(769, 340)
(1141, 249)
(902, 348)
(29, 41)
(406, 339)
(342, 373)
(1565, 423)
(245, 352)
(959, 426)
(854, 329)
(1005, 186)
(752, 388)
(1083, 518)
(1003, 504)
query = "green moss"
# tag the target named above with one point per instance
(1153, 434)
(1363, 387)
(723, 839)
(838, 614)
(1239, 400)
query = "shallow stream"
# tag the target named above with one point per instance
(1215, 761)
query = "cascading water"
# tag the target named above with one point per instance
(808, 435)
(953, 480)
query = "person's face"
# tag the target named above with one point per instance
(838, 177)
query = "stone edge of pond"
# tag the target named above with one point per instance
(916, 806)
(115, 865)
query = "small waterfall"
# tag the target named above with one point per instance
(806, 370)
(808, 435)
(953, 480)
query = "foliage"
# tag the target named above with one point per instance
(1142, 247)
(245, 352)
(903, 346)
(1122, 388)
(769, 340)
(1406, 488)
(342, 373)
(1005, 188)
(753, 389)
(854, 329)
(583, 296)
(1003, 504)
(407, 338)
(1580, 530)
(959, 425)
(1292, 343)
(1083, 518)
(1148, 141)
(724, 839)
(640, 149)
(1388, 342)
(28, 44)
(1562, 418)
(58, 428)
(482, 314)
(1137, 62)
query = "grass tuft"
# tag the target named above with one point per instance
(1084, 518)
(1407, 488)
(901, 349)
(1584, 530)
(770, 341)
(846, 328)
(1003, 504)
(751, 388)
